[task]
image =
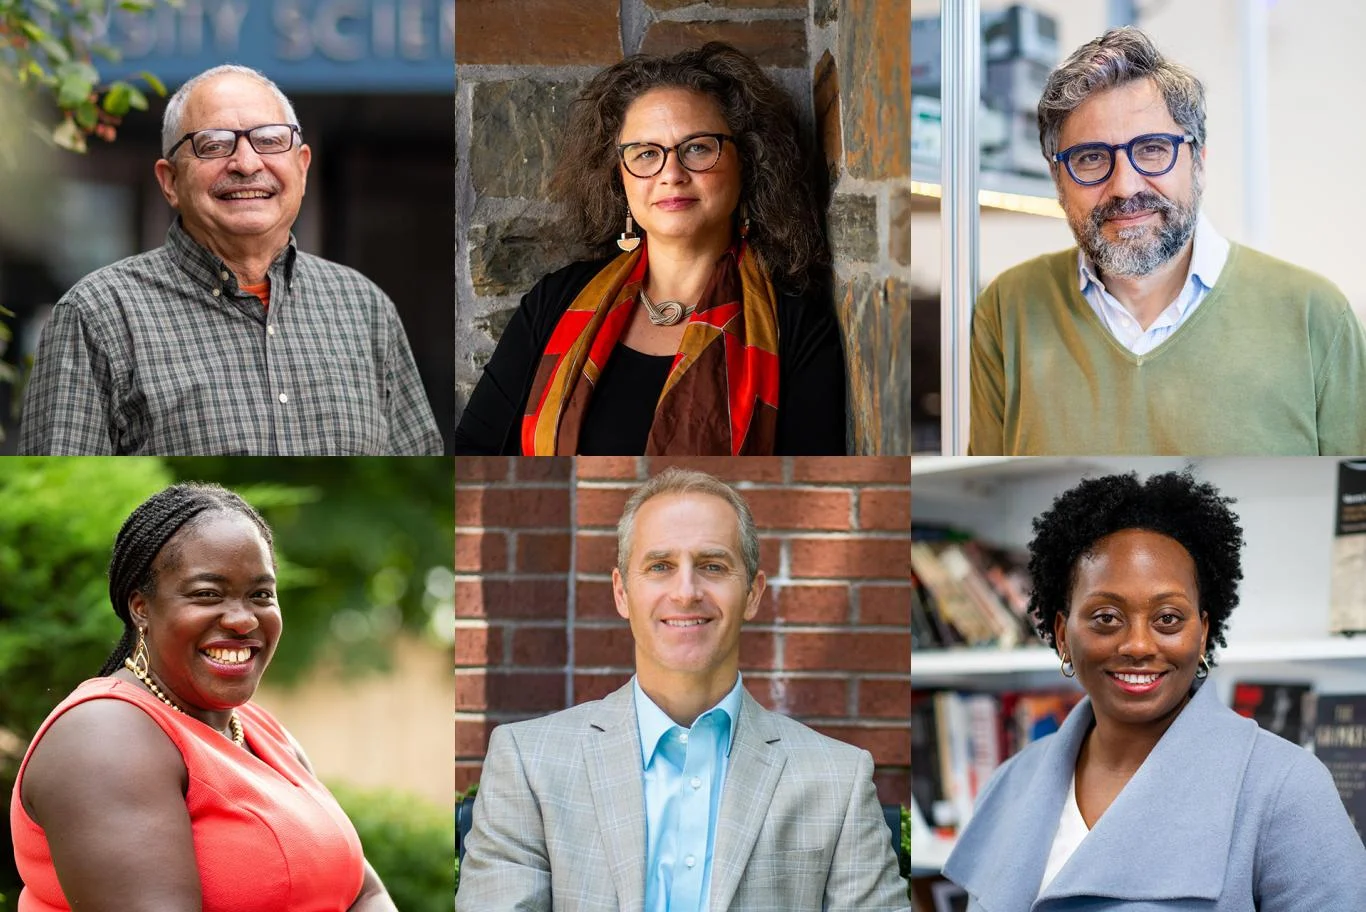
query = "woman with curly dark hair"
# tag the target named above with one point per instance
(1153, 795)
(711, 332)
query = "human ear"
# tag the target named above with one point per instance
(619, 593)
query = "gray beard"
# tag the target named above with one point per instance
(1140, 250)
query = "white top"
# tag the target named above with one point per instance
(1209, 252)
(1072, 830)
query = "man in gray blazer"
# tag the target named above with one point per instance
(678, 792)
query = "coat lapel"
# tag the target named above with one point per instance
(1172, 825)
(756, 761)
(1001, 855)
(612, 757)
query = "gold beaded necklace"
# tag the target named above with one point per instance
(233, 723)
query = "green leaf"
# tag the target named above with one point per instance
(48, 6)
(136, 99)
(75, 83)
(116, 100)
(136, 6)
(87, 115)
(156, 84)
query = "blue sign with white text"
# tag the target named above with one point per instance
(308, 45)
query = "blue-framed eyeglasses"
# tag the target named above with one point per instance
(1152, 154)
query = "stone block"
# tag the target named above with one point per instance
(511, 252)
(825, 12)
(852, 221)
(876, 76)
(515, 131)
(771, 42)
(875, 314)
(825, 95)
(899, 241)
(493, 324)
(728, 4)
(538, 32)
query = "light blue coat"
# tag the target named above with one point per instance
(1221, 817)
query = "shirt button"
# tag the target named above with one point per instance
(683, 737)
(696, 782)
(223, 276)
(690, 861)
(283, 398)
(216, 292)
(270, 330)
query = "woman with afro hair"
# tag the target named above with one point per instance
(1153, 795)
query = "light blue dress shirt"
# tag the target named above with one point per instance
(1209, 252)
(684, 771)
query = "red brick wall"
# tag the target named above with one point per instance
(535, 546)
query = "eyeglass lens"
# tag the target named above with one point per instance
(1148, 155)
(266, 140)
(647, 159)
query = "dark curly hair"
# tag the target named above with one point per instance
(777, 177)
(1174, 504)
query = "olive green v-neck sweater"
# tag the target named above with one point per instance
(1272, 362)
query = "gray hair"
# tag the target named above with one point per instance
(675, 480)
(1118, 57)
(175, 108)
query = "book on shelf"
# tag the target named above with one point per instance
(1348, 609)
(1340, 742)
(958, 740)
(968, 593)
(1285, 709)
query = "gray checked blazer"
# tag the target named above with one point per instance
(559, 822)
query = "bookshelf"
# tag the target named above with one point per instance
(1279, 631)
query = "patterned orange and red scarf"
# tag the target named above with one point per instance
(721, 395)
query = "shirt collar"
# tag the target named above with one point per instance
(1209, 250)
(654, 723)
(206, 268)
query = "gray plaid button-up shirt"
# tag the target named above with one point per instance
(163, 354)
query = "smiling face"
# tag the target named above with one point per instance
(1130, 224)
(1133, 627)
(685, 593)
(677, 204)
(212, 621)
(245, 198)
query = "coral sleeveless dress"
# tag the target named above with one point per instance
(268, 837)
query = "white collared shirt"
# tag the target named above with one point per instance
(1209, 252)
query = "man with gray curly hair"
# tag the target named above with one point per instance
(228, 340)
(1155, 335)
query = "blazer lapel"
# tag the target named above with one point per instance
(611, 751)
(756, 761)
(1175, 816)
(1001, 856)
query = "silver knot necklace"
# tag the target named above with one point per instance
(665, 313)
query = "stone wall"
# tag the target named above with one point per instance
(519, 63)
(537, 629)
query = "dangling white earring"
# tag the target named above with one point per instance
(629, 240)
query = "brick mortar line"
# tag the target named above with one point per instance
(512, 484)
(511, 530)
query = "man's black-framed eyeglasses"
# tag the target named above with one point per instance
(1152, 154)
(267, 139)
(699, 152)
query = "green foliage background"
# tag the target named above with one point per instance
(408, 841)
(364, 547)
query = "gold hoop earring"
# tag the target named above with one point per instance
(629, 240)
(142, 658)
(1204, 663)
(1068, 669)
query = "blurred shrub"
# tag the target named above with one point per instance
(409, 842)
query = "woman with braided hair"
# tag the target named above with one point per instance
(158, 785)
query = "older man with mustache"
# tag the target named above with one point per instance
(228, 340)
(1155, 335)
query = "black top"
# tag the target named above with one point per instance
(618, 419)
